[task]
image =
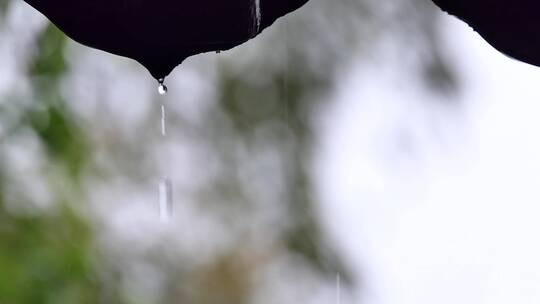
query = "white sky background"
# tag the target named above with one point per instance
(455, 220)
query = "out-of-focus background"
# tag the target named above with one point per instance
(359, 151)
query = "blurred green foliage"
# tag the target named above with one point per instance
(48, 257)
(62, 137)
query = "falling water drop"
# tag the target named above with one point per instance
(165, 199)
(163, 120)
(338, 289)
(162, 88)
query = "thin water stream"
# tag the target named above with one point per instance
(257, 17)
(338, 289)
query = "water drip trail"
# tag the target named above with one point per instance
(165, 189)
(286, 70)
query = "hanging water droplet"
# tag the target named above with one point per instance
(165, 199)
(162, 89)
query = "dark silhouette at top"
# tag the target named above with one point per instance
(161, 34)
(511, 26)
